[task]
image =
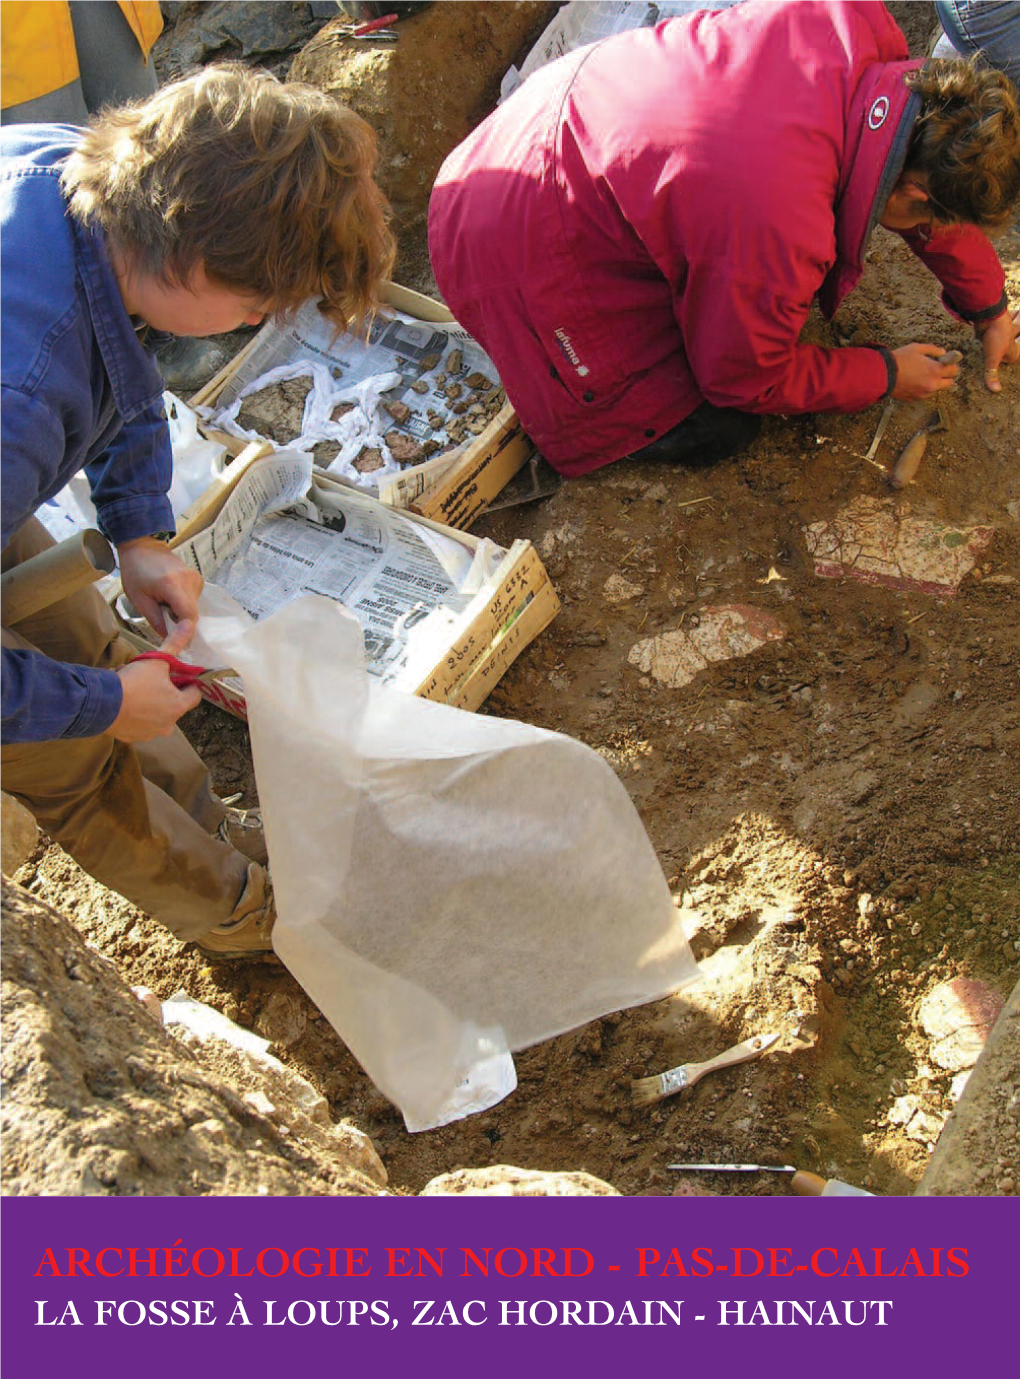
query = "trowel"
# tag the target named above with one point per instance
(536, 479)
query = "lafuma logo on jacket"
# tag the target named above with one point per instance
(563, 340)
(878, 113)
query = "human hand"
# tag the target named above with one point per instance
(1000, 341)
(919, 374)
(153, 577)
(152, 703)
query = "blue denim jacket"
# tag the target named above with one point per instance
(78, 392)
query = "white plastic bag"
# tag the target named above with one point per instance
(449, 887)
(197, 461)
(70, 511)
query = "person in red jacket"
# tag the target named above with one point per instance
(637, 235)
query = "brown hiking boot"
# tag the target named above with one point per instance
(248, 931)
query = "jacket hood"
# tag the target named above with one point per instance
(878, 129)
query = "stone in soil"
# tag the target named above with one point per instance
(957, 1017)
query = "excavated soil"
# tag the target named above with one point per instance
(837, 809)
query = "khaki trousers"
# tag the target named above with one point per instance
(139, 819)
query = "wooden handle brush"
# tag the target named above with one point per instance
(913, 452)
(648, 1090)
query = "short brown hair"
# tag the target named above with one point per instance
(268, 186)
(966, 140)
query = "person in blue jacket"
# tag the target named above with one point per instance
(221, 199)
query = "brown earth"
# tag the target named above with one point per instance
(838, 810)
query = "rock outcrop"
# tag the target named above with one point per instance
(101, 1099)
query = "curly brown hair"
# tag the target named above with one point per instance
(266, 185)
(966, 140)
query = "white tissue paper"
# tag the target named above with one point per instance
(450, 887)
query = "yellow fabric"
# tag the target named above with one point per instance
(37, 53)
(36, 50)
(146, 22)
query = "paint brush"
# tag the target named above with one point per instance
(648, 1090)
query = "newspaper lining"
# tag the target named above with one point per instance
(398, 353)
(279, 536)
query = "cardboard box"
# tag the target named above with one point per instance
(476, 477)
(517, 602)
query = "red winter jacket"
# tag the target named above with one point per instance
(643, 225)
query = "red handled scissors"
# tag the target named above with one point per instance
(184, 675)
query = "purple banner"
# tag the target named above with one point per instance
(179, 1286)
